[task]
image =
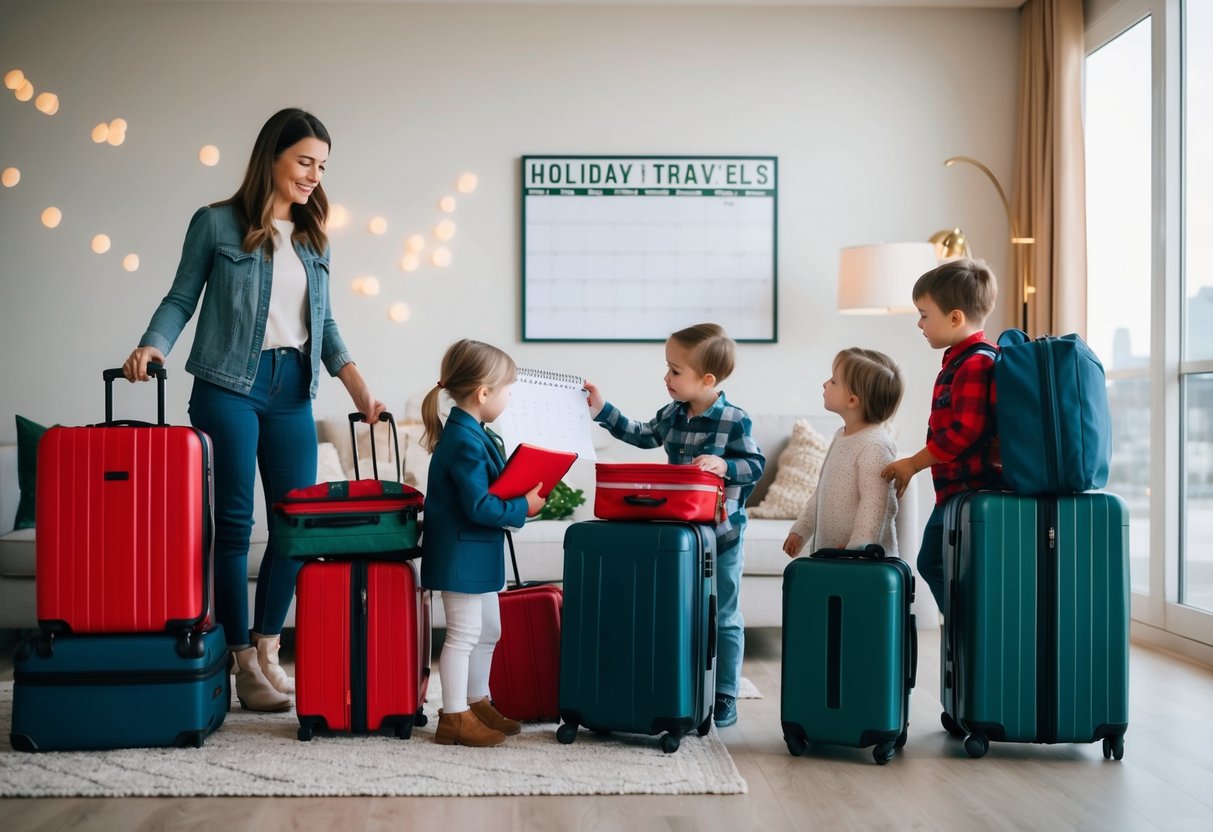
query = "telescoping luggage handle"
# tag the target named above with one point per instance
(153, 369)
(383, 417)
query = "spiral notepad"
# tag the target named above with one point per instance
(549, 410)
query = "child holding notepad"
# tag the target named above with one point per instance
(701, 427)
(464, 535)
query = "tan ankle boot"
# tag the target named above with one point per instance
(267, 654)
(252, 688)
(465, 728)
(489, 715)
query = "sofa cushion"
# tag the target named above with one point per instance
(798, 469)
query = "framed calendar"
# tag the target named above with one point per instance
(632, 248)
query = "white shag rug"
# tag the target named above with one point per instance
(255, 754)
(747, 689)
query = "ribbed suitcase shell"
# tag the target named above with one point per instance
(525, 677)
(849, 653)
(638, 645)
(124, 529)
(1036, 640)
(362, 647)
(657, 491)
(117, 691)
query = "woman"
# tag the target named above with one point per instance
(264, 330)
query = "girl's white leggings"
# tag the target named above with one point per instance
(473, 626)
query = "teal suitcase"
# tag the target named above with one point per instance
(850, 651)
(638, 637)
(1036, 634)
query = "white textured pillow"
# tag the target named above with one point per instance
(796, 476)
(328, 463)
(417, 458)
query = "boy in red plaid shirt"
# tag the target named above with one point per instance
(953, 303)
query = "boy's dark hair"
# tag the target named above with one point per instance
(967, 285)
(874, 378)
(711, 350)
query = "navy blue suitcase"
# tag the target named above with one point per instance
(638, 635)
(74, 693)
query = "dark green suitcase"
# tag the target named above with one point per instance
(850, 651)
(1036, 637)
(638, 637)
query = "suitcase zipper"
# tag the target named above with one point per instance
(358, 637)
(50, 678)
(1052, 425)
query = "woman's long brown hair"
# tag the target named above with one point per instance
(254, 200)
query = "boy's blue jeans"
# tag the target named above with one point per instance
(930, 557)
(270, 428)
(730, 627)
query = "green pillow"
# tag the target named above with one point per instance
(28, 434)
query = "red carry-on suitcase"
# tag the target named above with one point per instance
(352, 517)
(124, 525)
(362, 647)
(657, 491)
(525, 678)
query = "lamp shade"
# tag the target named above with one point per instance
(879, 279)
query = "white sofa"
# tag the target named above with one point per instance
(539, 545)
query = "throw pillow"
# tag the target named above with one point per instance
(796, 476)
(28, 434)
(328, 463)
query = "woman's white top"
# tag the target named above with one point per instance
(287, 322)
(852, 505)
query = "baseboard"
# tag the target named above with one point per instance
(1195, 651)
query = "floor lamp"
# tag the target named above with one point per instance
(951, 244)
(879, 279)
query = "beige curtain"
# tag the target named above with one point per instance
(1049, 197)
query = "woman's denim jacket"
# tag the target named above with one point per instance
(231, 325)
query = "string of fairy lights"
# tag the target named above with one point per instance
(418, 252)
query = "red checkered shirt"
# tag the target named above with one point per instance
(961, 430)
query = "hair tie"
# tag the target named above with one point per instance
(438, 384)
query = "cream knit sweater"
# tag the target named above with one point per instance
(852, 505)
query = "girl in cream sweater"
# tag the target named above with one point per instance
(853, 505)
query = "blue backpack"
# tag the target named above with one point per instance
(1053, 422)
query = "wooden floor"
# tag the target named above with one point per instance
(1164, 782)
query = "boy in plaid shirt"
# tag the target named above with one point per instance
(700, 427)
(953, 303)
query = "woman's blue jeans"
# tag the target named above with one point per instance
(270, 428)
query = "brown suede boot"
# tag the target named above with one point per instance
(489, 715)
(465, 728)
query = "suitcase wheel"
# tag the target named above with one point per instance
(1113, 747)
(306, 732)
(670, 743)
(905, 735)
(884, 752)
(951, 726)
(976, 745)
(796, 745)
(706, 725)
(566, 733)
(421, 720)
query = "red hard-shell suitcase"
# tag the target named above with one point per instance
(525, 677)
(362, 647)
(124, 525)
(657, 491)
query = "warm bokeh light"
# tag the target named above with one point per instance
(414, 244)
(51, 217)
(444, 230)
(14, 78)
(118, 124)
(101, 244)
(467, 183)
(339, 216)
(441, 257)
(47, 103)
(447, 203)
(209, 155)
(115, 137)
(399, 312)
(101, 132)
(131, 262)
(10, 177)
(25, 92)
(409, 262)
(370, 286)
(377, 225)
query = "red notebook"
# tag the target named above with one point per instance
(529, 465)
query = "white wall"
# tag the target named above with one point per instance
(860, 105)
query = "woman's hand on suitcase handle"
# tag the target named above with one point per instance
(135, 366)
(793, 545)
(533, 501)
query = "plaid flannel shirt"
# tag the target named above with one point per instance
(961, 430)
(722, 430)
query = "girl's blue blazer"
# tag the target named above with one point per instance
(462, 547)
